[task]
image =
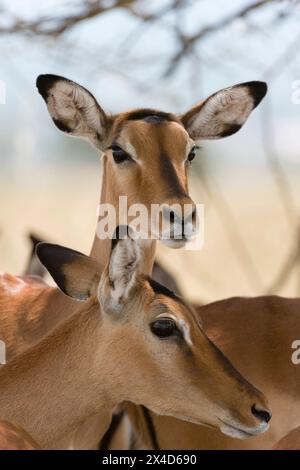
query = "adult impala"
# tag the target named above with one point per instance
(131, 339)
(146, 152)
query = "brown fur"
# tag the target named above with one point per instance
(77, 372)
(256, 334)
(155, 145)
(29, 310)
(15, 438)
(115, 183)
(289, 442)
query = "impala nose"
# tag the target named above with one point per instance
(262, 415)
(180, 222)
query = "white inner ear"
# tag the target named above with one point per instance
(122, 270)
(72, 105)
(227, 107)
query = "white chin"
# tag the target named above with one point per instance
(240, 434)
(233, 432)
(171, 243)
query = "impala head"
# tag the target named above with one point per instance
(155, 351)
(147, 152)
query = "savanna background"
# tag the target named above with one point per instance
(167, 54)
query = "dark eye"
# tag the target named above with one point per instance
(119, 154)
(192, 154)
(164, 327)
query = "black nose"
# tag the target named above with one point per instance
(263, 415)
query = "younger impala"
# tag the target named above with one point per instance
(131, 339)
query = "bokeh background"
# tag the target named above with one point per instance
(167, 54)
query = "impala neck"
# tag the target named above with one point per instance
(68, 379)
(101, 248)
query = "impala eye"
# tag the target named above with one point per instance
(119, 154)
(192, 154)
(164, 327)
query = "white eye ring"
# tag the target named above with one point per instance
(181, 325)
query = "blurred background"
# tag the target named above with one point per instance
(167, 54)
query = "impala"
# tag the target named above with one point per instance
(256, 334)
(146, 155)
(130, 339)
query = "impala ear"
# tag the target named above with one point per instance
(74, 109)
(122, 270)
(224, 112)
(77, 275)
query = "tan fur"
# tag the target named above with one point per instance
(29, 310)
(77, 274)
(147, 182)
(31, 320)
(289, 442)
(92, 362)
(15, 438)
(31, 317)
(256, 334)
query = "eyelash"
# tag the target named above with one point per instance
(177, 332)
(193, 152)
(119, 155)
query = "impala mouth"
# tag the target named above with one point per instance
(242, 433)
(174, 242)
